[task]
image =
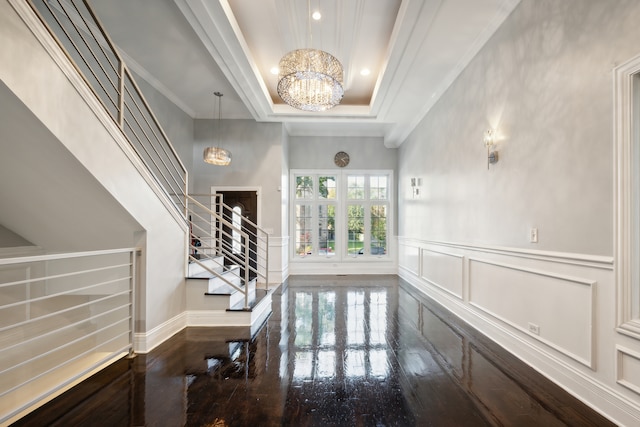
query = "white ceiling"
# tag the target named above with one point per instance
(188, 49)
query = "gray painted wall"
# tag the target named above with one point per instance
(9, 239)
(544, 81)
(316, 152)
(257, 161)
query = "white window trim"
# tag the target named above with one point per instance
(341, 200)
(627, 174)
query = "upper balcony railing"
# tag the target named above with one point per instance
(78, 31)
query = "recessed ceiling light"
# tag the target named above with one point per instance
(316, 15)
(365, 72)
(275, 70)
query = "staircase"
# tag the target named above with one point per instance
(227, 275)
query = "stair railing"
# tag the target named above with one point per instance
(77, 30)
(63, 316)
(258, 238)
(75, 27)
(213, 234)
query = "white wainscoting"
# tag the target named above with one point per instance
(569, 299)
(444, 270)
(628, 369)
(559, 308)
(410, 256)
(278, 260)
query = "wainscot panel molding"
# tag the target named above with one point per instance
(278, 259)
(410, 254)
(554, 309)
(628, 369)
(444, 270)
(566, 292)
(594, 261)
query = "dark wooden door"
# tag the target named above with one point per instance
(244, 203)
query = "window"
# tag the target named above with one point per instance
(341, 215)
(315, 215)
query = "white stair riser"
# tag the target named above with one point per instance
(197, 300)
(211, 318)
(216, 264)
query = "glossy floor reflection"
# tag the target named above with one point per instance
(337, 351)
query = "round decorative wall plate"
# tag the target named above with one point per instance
(341, 159)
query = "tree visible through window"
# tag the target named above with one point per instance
(344, 214)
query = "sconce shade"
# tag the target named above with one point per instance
(489, 138)
(489, 141)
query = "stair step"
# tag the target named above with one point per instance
(213, 293)
(253, 318)
(258, 296)
(196, 269)
(235, 296)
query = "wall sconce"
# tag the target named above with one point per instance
(489, 142)
(415, 184)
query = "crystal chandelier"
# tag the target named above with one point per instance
(310, 79)
(217, 155)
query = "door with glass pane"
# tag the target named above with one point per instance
(242, 204)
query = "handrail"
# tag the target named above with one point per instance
(78, 31)
(218, 235)
(66, 255)
(245, 221)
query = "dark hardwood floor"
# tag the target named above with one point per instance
(337, 351)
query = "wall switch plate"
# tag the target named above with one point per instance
(533, 235)
(534, 329)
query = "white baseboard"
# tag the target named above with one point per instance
(321, 268)
(145, 342)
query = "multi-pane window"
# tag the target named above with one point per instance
(355, 230)
(378, 236)
(315, 214)
(326, 229)
(341, 214)
(367, 219)
(355, 187)
(304, 231)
